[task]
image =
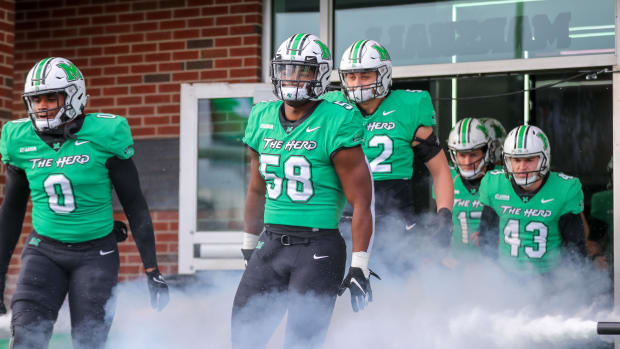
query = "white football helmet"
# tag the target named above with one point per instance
(366, 56)
(497, 132)
(467, 135)
(60, 76)
(523, 142)
(301, 68)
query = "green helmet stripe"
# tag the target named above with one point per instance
(39, 70)
(356, 51)
(521, 136)
(464, 127)
(296, 40)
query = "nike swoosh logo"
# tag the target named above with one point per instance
(101, 252)
(408, 227)
(312, 129)
(388, 112)
(319, 257)
(353, 281)
(81, 142)
(546, 201)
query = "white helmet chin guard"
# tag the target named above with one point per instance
(57, 76)
(527, 141)
(301, 68)
(366, 56)
(468, 135)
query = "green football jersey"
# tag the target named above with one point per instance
(466, 214)
(69, 184)
(529, 235)
(390, 131)
(303, 188)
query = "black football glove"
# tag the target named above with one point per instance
(356, 282)
(158, 288)
(120, 231)
(247, 254)
(443, 227)
(2, 306)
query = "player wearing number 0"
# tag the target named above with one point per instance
(534, 212)
(398, 124)
(470, 147)
(68, 163)
(306, 156)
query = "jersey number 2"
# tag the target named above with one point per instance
(60, 193)
(385, 142)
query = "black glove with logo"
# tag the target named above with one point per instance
(359, 285)
(247, 254)
(158, 288)
(120, 231)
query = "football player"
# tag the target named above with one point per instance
(497, 133)
(68, 162)
(306, 156)
(532, 211)
(471, 149)
(398, 124)
(602, 222)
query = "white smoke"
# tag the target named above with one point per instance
(476, 305)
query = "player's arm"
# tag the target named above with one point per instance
(354, 173)
(488, 235)
(124, 177)
(573, 233)
(12, 214)
(426, 147)
(254, 207)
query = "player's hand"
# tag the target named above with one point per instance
(120, 231)
(474, 238)
(359, 285)
(247, 254)
(158, 289)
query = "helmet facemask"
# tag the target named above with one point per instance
(295, 81)
(479, 165)
(364, 93)
(530, 176)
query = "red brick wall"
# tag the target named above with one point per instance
(134, 56)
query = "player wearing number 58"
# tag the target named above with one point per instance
(68, 162)
(532, 211)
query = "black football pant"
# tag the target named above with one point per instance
(86, 271)
(301, 275)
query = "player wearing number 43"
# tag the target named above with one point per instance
(398, 124)
(533, 212)
(68, 163)
(306, 156)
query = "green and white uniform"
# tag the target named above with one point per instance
(303, 188)
(391, 129)
(69, 184)
(529, 234)
(466, 214)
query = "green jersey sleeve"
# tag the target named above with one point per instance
(249, 138)
(4, 142)
(574, 196)
(121, 143)
(334, 96)
(349, 133)
(484, 190)
(425, 112)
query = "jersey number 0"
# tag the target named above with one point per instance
(60, 193)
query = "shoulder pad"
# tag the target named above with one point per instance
(18, 121)
(344, 105)
(496, 172)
